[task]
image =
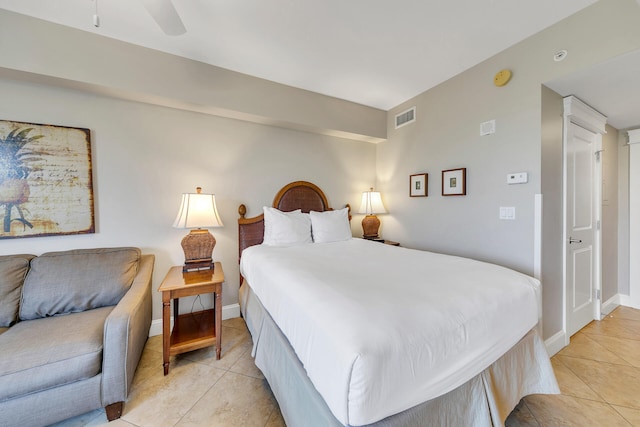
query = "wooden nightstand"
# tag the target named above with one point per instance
(386, 242)
(191, 331)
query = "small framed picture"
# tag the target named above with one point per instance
(418, 185)
(454, 182)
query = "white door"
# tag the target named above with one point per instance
(581, 221)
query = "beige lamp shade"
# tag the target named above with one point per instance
(371, 203)
(198, 211)
(370, 206)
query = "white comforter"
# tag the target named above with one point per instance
(380, 329)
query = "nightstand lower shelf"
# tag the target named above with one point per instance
(193, 331)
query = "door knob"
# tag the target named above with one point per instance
(572, 240)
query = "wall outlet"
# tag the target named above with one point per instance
(517, 178)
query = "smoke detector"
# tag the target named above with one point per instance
(560, 55)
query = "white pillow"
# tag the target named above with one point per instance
(330, 226)
(286, 228)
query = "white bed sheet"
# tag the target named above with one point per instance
(380, 329)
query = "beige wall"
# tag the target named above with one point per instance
(145, 156)
(44, 52)
(552, 218)
(446, 135)
(610, 213)
(162, 125)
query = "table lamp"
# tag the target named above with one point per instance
(198, 211)
(371, 205)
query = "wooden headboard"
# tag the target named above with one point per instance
(296, 195)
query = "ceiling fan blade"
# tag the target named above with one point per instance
(166, 16)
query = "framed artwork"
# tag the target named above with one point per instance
(418, 184)
(454, 182)
(46, 185)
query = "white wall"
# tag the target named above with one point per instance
(145, 156)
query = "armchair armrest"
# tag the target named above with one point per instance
(126, 330)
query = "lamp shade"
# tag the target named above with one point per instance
(371, 203)
(198, 210)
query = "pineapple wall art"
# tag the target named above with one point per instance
(45, 180)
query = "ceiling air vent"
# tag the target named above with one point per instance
(406, 117)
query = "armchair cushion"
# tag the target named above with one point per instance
(13, 268)
(77, 280)
(74, 347)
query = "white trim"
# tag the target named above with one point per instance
(634, 221)
(583, 115)
(556, 343)
(156, 327)
(577, 112)
(597, 309)
(627, 301)
(634, 136)
(565, 133)
(609, 305)
(228, 312)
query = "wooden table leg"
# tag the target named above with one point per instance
(218, 322)
(166, 330)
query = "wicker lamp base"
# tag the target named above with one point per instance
(370, 226)
(198, 247)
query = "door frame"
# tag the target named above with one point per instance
(577, 112)
(633, 299)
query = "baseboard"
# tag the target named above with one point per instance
(555, 343)
(228, 312)
(628, 302)
(609, 305)
(558, 341)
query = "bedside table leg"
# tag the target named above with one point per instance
(218, 321)
(166, 331)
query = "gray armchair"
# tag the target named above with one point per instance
(83, 321)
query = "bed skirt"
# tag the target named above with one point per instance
(485, 400)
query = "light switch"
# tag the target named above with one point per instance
(507, 212)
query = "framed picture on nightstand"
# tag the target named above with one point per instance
(418, 185)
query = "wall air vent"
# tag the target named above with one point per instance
(406, 117)
(487, 128)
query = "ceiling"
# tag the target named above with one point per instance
(612, 88)
(374, 52)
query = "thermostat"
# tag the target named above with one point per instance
(517, 178)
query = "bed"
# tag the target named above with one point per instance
(350, 332)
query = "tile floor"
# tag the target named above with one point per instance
(599, 377)
(598, 373)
